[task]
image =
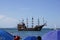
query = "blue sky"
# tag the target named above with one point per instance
(13, 10)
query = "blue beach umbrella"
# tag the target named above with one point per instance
(5, 35)
(30, 38)
(52, 35)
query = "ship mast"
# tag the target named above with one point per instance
(32, 22)
(43, 20)
(38, 21)
(22, 21)
(27, 22)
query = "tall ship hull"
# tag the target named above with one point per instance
(37, 28)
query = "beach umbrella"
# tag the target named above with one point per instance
(5, 35)
(30, 38)
(52, 35)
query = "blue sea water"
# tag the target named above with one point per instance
(24, 34)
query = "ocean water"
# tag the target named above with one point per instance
(24, 34)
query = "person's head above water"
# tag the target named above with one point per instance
(39, 38)
(17, 37)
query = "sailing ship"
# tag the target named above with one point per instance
(23, 27)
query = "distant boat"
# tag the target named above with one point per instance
(23, 27)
